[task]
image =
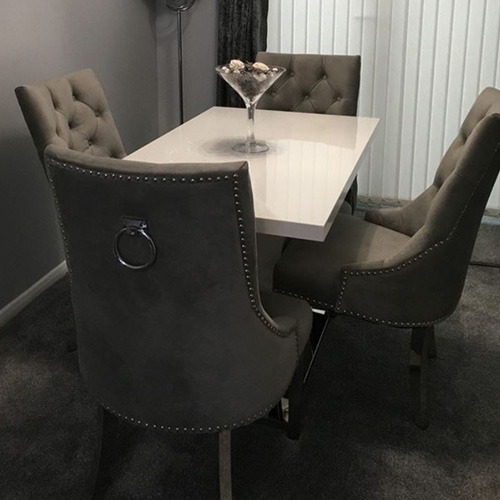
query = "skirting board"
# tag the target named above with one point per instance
(19, 303)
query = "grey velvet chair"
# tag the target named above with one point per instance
(406, 267)
(173, 333)
(71, 112)
(313, 83)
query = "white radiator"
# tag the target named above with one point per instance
(423, 64)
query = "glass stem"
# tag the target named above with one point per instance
(251, 125)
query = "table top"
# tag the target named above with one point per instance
(299, 184)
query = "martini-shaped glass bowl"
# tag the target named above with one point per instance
(250, 85)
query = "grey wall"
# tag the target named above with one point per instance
(200, 56)
(40, 40)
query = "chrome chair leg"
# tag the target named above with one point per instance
(226, 490)
(419, 354)
(320, 324)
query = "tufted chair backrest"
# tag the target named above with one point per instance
(71, 112)
(313, 83)
(461, 169)
(444, 220)
(183, 345)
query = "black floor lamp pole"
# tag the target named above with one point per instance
(181, 83)
(179, 6)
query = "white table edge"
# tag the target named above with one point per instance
(272, 227)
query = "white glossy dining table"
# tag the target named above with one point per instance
(298, 185)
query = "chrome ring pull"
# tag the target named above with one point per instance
(134, 227)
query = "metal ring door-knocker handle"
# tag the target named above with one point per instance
(134, 227)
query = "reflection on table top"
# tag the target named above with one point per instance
(299, 184)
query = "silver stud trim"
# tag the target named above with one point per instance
(371, 272)
(249, 277)
(338, 308)
(250, 280)
(132, 178)
(196, 429)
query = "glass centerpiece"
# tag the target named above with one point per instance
(250, 80)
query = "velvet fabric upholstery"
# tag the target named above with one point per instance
(418, 281)
(349, 240)
(71, 112)
(313, 83)
(186, 344)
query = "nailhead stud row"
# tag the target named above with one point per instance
(246, 267)
(136, 178)
(404, 264)
(310, 300)
(372, 272)
(358, 315)
(249, 279)
(188, 430)
(337, 308)
(138, 421)
(59, 217)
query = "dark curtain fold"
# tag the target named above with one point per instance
(242, 33)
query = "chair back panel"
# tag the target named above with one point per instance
(327, 84)
(466, 176)
(443, 221)
(463, 171)
(71, 112)
(184, 344)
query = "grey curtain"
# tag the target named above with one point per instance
(242, 33)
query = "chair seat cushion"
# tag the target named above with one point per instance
(279, 306)
(311, 270)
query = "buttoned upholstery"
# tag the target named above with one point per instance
(327, 84)
(71, 112)
(313, 83)
(410, 218)
(410, 271)
(186, 345)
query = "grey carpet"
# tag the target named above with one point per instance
(358, 442)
